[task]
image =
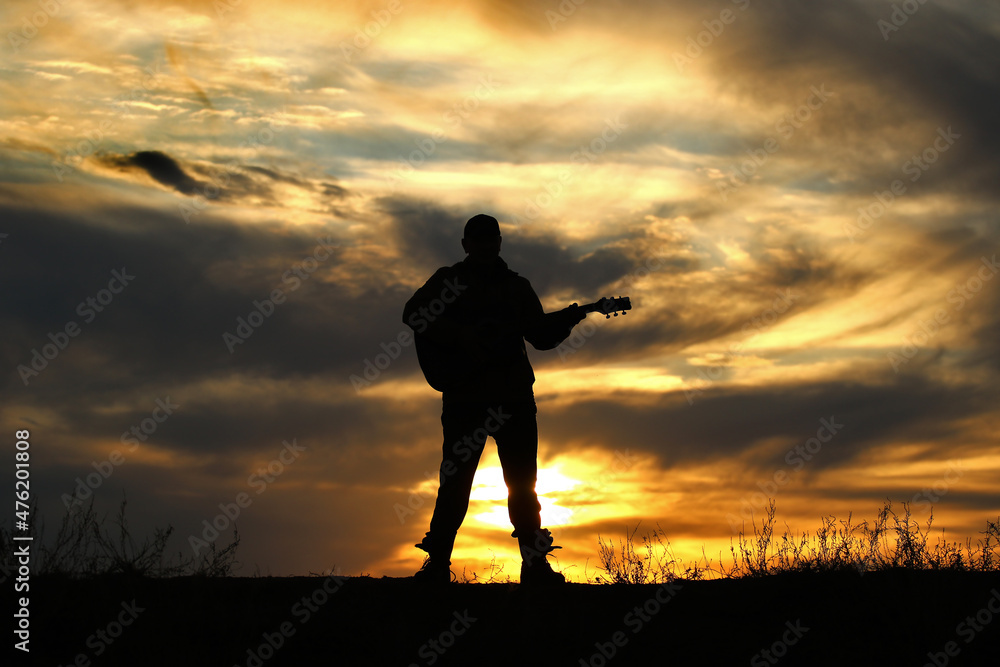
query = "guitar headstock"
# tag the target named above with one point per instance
(611, 306)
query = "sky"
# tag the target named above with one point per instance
(212, 214)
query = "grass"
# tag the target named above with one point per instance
(88, 545)
(491, 577)
(890, 541)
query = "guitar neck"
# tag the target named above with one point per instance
(608, 305)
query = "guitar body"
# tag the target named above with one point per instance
(438, 362)
(446, 369)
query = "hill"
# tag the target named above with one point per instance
(893, 617)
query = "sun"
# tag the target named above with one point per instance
(488, 500)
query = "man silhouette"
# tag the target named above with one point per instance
(470, 321)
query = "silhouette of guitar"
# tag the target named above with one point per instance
(445, 366)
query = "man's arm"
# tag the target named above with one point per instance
(546, 331)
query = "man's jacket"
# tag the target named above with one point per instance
(470, 325)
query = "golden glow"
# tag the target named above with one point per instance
(334, 123)
(490, 492)
(600, 380)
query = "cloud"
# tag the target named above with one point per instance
(191, 284)
(301, 145)
(233, 182)
(732, 424)
(430, 236)
(160, 166)
(941, 68)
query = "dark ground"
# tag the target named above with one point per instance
(886, 618)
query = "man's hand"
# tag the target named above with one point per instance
(574, 314)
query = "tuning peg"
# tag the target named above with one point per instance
(616, 314)
(607, 317)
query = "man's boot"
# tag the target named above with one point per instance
(437, 566)
(535, 545)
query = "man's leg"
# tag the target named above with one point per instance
(517, 445)
(464, 437)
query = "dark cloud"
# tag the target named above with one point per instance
(789, 276)
(224, 183)
(163, 168)
(430, 236)
(552, 267)
(729, 423)
(191, 284)
(941, 68)
(426, 234)
(334, 190)
(279, 176)
(228, 182)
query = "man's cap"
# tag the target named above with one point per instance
(482, 226)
